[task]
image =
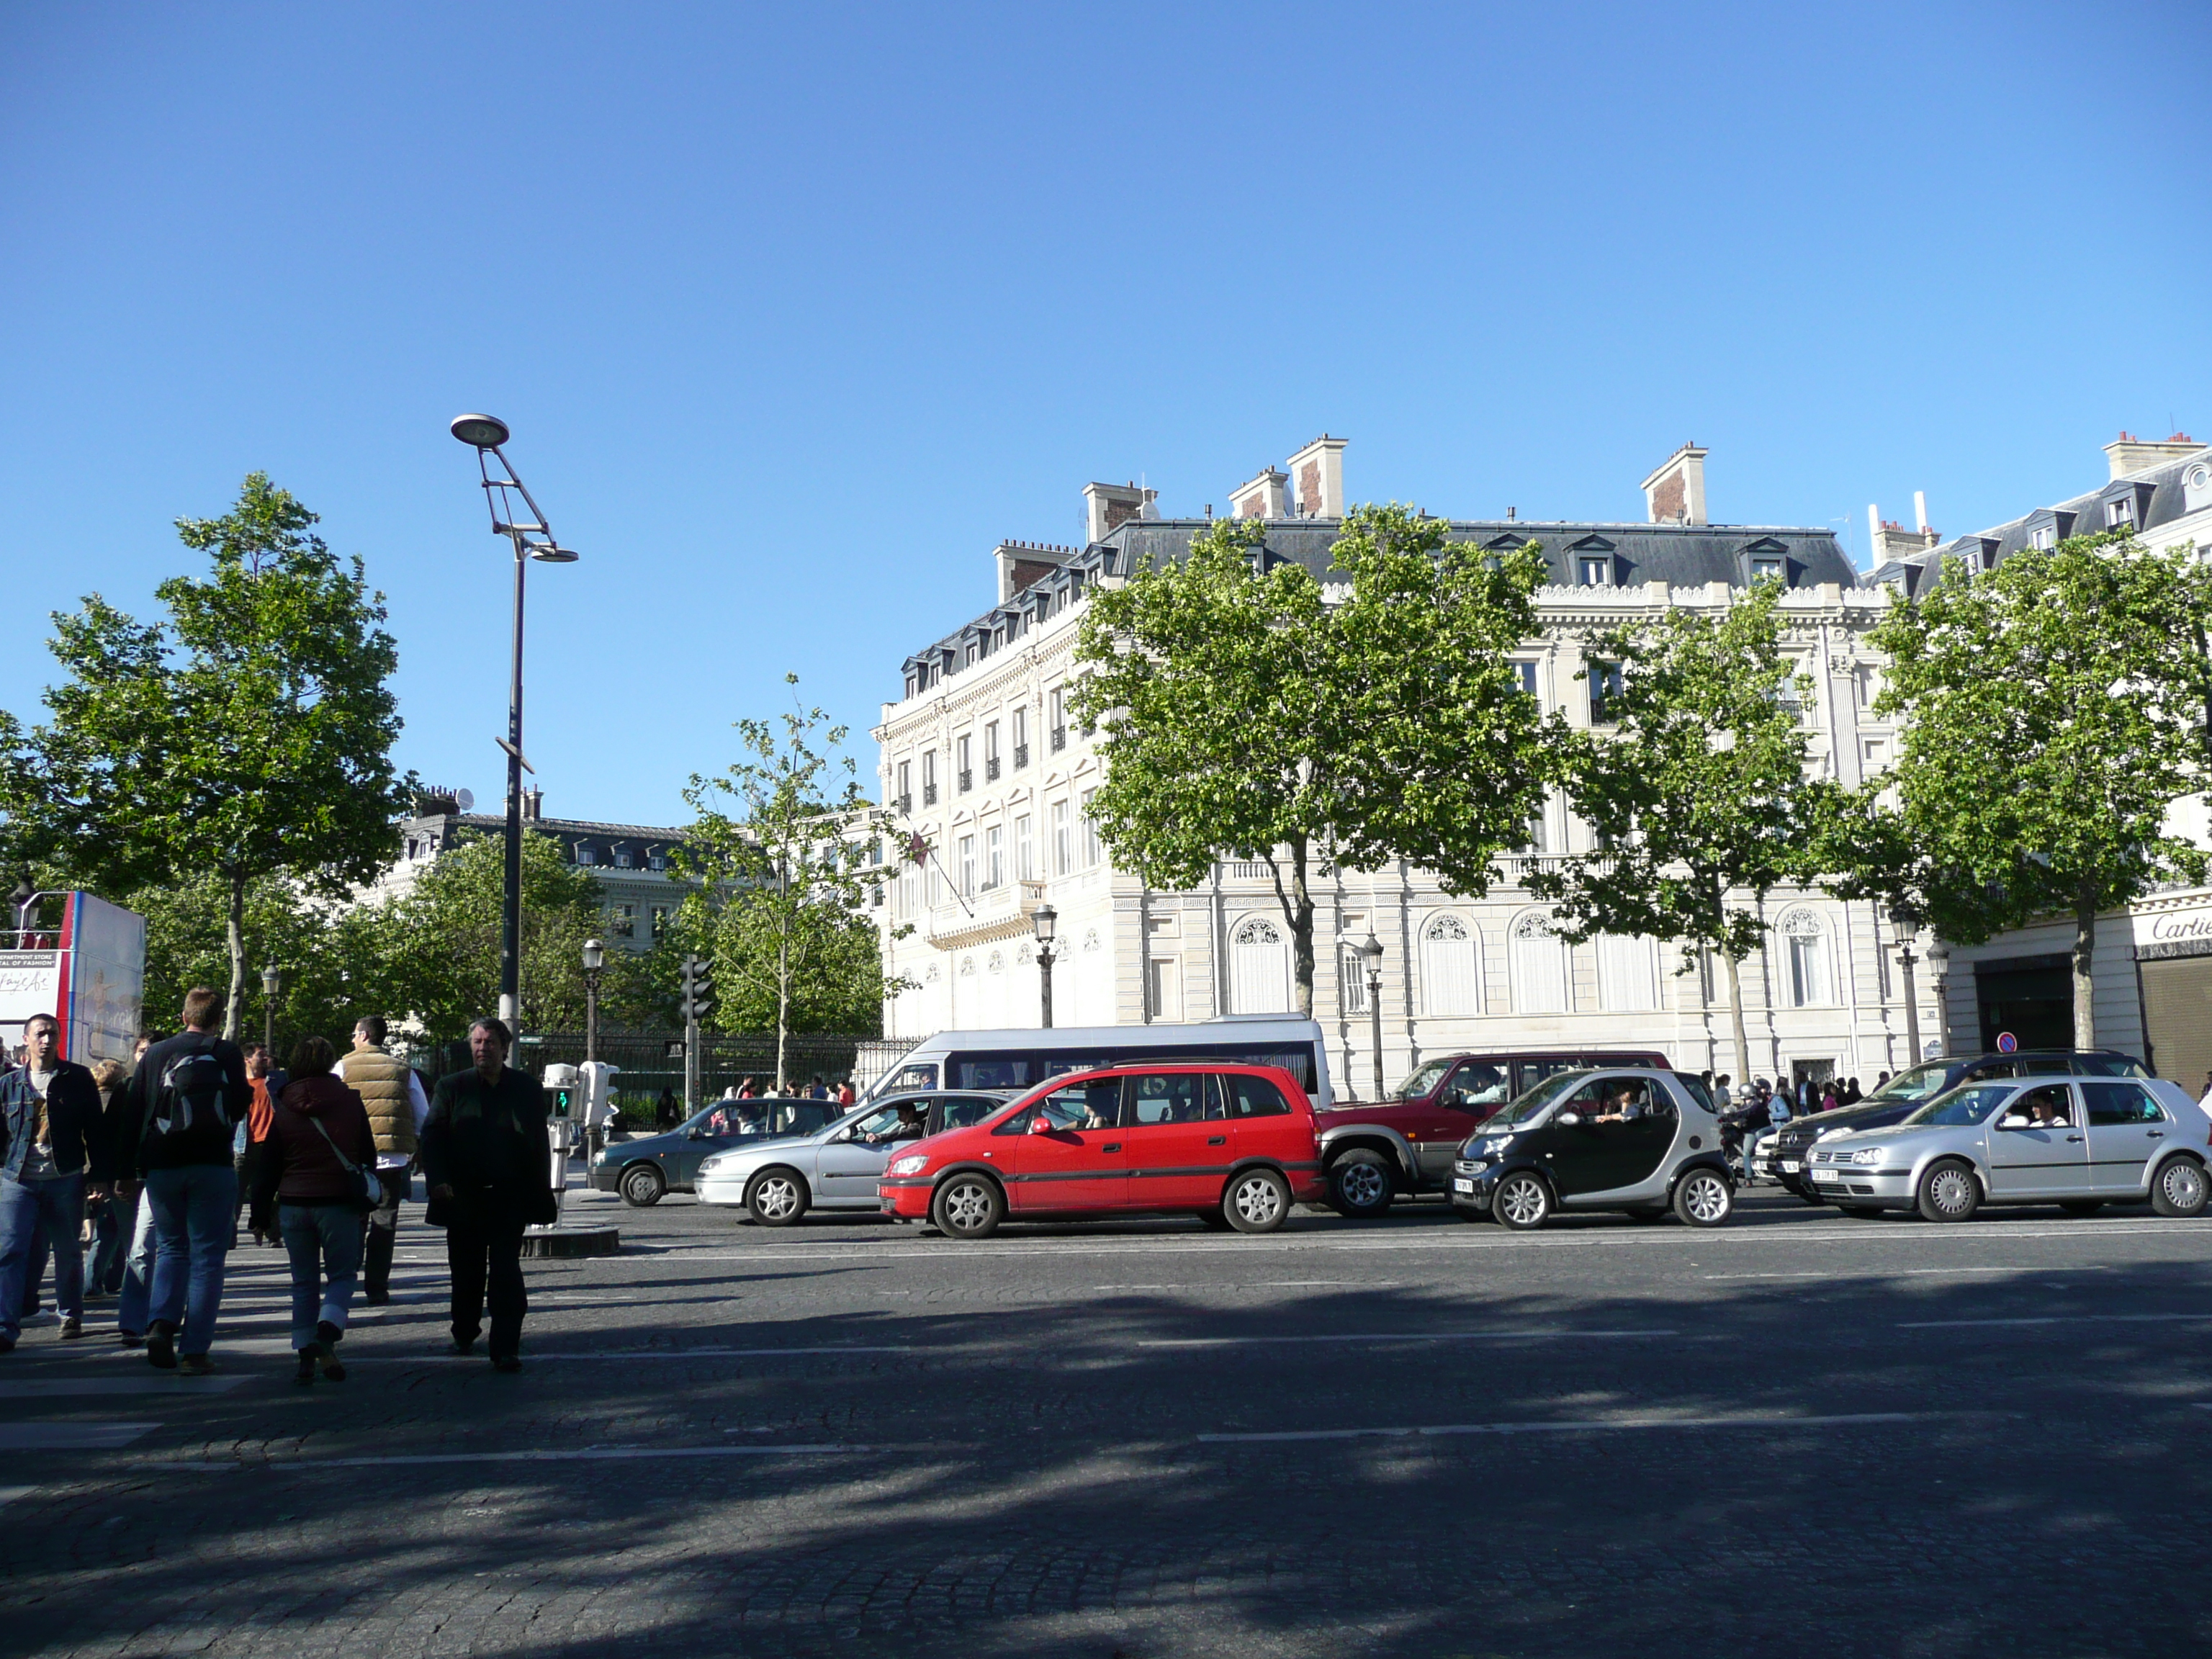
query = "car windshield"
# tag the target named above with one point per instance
(1527, 1106)
(1962, 1107)
(1921, 1083)
(1422, 1081)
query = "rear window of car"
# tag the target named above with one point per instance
(2108, 1066)
(959, 1111)
(2115, 1102)
(1253, 1097)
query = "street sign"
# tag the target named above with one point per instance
(2006, 1043)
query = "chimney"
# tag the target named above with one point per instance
(1022, 565)
(2129, 454)
(1317, 478)
(1108, 506)
(1266, 498)
(1675, 493)
(533, 804)
(1891, 540)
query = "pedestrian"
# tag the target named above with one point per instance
(1720, 1092)
(1829, 1103)
(845, 1095)
(50, 1119)
(397, 1108)
(1851, 1094)
(186, 1094)
(317, 1161)
(264, 1079)
(485, 1158)
(664, 1116)
(747, 1092)
(817, 1091)
(1882, 1082)
(136, 1216)
(110, 1215)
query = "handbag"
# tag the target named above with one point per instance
(368, 1184)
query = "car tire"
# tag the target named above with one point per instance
(777, 1197)
(2082, 1205)
(1213, 1220)
(643, 1186)
(967, 1206)
(1949, 1191)
(1704, 1198)
(2181, 1189)
(1359, 1185)
(1257, 1201)
(1522, 1202)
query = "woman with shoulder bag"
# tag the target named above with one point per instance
(315, 1185)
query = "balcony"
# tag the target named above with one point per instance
(905, 805)
(1021, 756)
(996, 914)
(991, 769)
(967, 778)
(1058, 738)
(929, 794)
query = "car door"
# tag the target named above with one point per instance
(1077, 1161)
(2127, 1129)
(1582, 1156)
(712, 1131)
(1177, 1154)
(847, 1166)
(2033, 1159)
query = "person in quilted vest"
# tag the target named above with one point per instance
(396, 1108)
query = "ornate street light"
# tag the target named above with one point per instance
(533, 539)
(1046, 920)
(1906, 919)
(1939, 959)
(1370, 949)
(595, 963)
(272, 987)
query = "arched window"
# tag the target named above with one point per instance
(1258, 976)
(1806, 943)
(1627, 974)
(1536, 962)
(1451, 970)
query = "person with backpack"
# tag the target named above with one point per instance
(187, 1096)
(315, 1180)
(49, 1145)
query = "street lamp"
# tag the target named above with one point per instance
(272, 987)
(595, 963)
(1370, 948)
(1939, 960)
(1907, 922)
(533, 539)
(1046, 920)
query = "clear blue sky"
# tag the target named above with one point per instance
(795, 312)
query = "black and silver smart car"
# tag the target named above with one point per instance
(1636, 1139)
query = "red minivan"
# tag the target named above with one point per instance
(1232, 1145)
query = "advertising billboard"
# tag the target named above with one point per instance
(90, 976)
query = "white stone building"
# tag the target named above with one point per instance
(980, 764)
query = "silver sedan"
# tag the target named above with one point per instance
(775, 1182)
(2080, 1143)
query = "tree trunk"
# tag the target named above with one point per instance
(2085, 953)
(235, 936)
(1735, 1019)
(1298, 912)
(782, 1007)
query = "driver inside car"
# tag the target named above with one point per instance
(909, 1126)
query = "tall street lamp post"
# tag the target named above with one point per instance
(1046, 920)
(1939, 963)
(272, 987)
(1907, 921)
(1370, 951)
(595, 963)
(533, 539)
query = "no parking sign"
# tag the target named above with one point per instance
(2006, 1043)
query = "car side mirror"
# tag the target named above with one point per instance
(1040, 1126)
(1570, 1119)
(2012, 1120)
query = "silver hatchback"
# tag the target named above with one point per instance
(2079, 1143)
(775, 1182)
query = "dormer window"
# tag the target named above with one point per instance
(1766, 568)
(623, 860)
(587, 854)
(2120, 510)
(1596, 571)
(2044, 536)
(657, 861)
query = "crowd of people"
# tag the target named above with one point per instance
(1749, 1111)
(133, 1184)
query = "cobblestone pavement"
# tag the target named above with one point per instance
(1408, 1437)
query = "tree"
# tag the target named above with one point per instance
(1245, 713)
(2055, 707)
(1696, 791)
(245, 736)
(778, 852)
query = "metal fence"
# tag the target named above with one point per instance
(650, 1061)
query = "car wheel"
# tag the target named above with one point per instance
(1948, 1192)
(2082, 1205)
(2181, 1189)
(642, 1186)
(775, 1198)
(1257, 1201)
(1359, 1185)
(1522, 1202)
(1703, 1198)
(967, 1206)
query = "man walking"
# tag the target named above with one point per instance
(397, 1111)
(186, 1096)
(49, 1143)
(485, 1159)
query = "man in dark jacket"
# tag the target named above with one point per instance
(487, 1164)
(186, 1098)
(49, 1145)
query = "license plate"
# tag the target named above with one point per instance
(1791, 1166)
(1461, 1185)
(1827, 1175)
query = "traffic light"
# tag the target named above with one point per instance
(698, 996)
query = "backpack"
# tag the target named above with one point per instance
(190, 1094)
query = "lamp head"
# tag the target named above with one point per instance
(551, 554)
(595, 956)
(480, 431)
(1046, 920)
(1370, 947)
(272, 979)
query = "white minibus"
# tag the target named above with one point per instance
(1020, 1059)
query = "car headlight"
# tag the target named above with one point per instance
(708, 1163)
(906, 1166)
(1868, 1155)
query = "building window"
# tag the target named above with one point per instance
(1604, 692)
(2120, 510)
(1259, 979)
(587, 854)
(990, 752)
(621, 921)
(1808, 945)
(1024, 854)
(963, 766)
(994, 858)
(905, 799)
(1450, 967)
(624, 858)
(1627, 974)
(967, 867)
(1021, 738)
(909, 891)
(1536, 966)
(660, 913)
(929, 777)
(1524, 674)
(1766, 570)
(1092, 851)
(1063, 847)
(1056, 718)
(1597, 570)
(2044, 536)
(1352, 974)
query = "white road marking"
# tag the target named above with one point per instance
(1532, 1335)
(548, 1455)
(1902, 1273)
(629, 1354)
(69, 1437)
(1593, 1425)
(73, 1387)
(2062, 1319)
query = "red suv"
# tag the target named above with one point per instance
(1232, 1145)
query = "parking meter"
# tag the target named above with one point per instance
(564, 1118)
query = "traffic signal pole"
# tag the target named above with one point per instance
(694, 1006)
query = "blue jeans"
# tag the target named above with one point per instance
(323, 1242)
(57, 1201)
(130, 1301)
(195, 1213)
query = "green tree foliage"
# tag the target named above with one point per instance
(779, 853)
(1693, 783)
(246, 735)
(1243, 715)
(2054, 709)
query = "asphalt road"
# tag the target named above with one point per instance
(1798, 1434)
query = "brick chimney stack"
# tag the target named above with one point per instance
(1317, 479)
(1267, 496)
(1107, 507)
(1675, 493)
(2129, 454)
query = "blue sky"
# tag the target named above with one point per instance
(795, 312)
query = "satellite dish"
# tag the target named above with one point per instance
(465, 800)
